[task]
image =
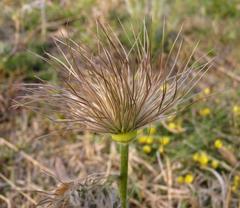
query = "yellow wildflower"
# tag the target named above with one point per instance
(203, 159)
(207, 91)
(142, 140)
(149, 140)
(188, 178)
(236, 180)
(152, 130)
(180, 179)
(236, 183)
(236, 110)
(164, 140)
(215, 164)
(172, 125)
(147, 149)
(218, 144)
(175, 126)
(205, 112)
(161, 149)
(196, 156)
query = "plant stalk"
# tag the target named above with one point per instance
(124, 175)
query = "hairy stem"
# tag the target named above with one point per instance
(124, 175)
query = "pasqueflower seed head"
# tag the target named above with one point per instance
(115, 88)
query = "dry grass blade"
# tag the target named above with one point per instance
(16, 188)
(26, 156)
(6, 200)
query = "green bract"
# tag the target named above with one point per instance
(124, 137)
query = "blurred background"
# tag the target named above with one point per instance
(191, 160)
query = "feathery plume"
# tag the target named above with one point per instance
(94, 191)
(116, 89)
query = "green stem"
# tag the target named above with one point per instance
(124, 175)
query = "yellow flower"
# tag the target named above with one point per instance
(236, 110)
(205, 112)
(175, 126)
(203, 159)
(236, 180)
(172, 125)
(149, 140)
(147, 149)
(142, 140)
(152, 130)
(161, 149)
(145, 140)
(196, 156)
(218, 144)
(236, 183)
(164, 140)
(207, 91)
(188, 178)
(215, 164)
(180, 179)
